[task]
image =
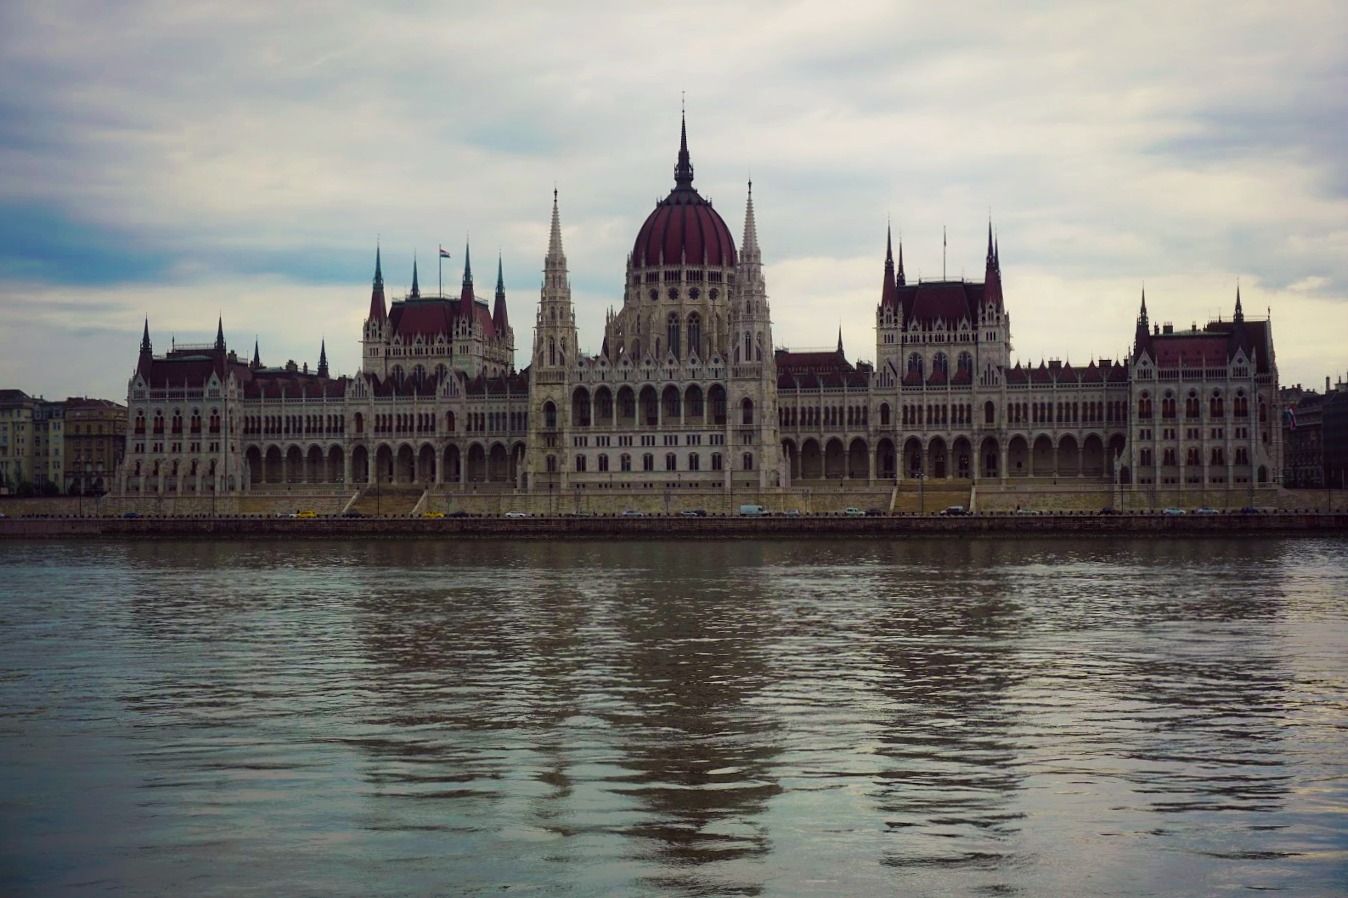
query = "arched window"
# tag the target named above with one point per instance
(625, 463)
(672, 333)
(1144, 406)
(1191, 407)
(552, 351)
(550, 416)
(1168, 405)
(580, 464)
(747, 411)
(671, 461)
(748, 348)
(1216, 407)
(966, 364)
(648, 462)
(884, 414)
(694, 462)
(449, 422)
(748, 461)
(695, 334)
(552, 464)
(940, 367)
(915, 367)
(989, 412)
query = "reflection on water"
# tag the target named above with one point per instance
(775, 718)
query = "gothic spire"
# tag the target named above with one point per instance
(378, 311)
(840, 346)
(899, 275)
(416, 288)
(992, 250)
(257, 359)
(466, 295)
(220, 334)
(555, 238)
(498, 312)
(749, 250)
(1240, 313)
(323, 359)
(889, 293)
(683, 172)
(145, 347)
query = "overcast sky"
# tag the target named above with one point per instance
(182, 161)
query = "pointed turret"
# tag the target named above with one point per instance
(466, 291)
(220, 334)
(749, 250)
(323, 359)
(1142, 335)
(555, 255)
(899, 279)
(257, 358)
(145, 347)
(683, 172)
(840, 346)
(416, 287)
(498, 312)
(1239, 317)
(992, 273)
(889, 293)
(378, 310)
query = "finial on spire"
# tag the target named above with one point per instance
(257, 359)
(378, 269)
(145, 338)
(416, 288)
(1240, 313)
(840, 346)
(220, 334)
(467, 267)
(323, 358)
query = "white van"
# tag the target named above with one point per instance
(752, 511)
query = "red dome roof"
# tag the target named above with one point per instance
(684, 227)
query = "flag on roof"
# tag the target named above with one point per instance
(444, 253)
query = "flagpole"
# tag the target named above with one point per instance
(440, 267)
(943, 243)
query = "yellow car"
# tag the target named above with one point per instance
(306, 514)
(432, 514)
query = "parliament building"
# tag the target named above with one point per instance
(689, 399)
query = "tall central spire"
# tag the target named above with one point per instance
(683, 172)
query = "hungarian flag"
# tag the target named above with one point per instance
(444, 253)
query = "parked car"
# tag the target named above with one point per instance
(694, 513)
(853, 512)
(460, 513)
(1250, 509)
(632, 513)
(353, 514)
(1109, 510)
(130, 514)
(875, 512)
(1206, 510)
(432, 514)
(306, 514)
(1173, 512)
(517, 514)
(752, 511)
(955, 510)
(792, 512)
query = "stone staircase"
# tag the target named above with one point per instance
(388, 500)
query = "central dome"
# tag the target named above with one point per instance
(684, 228)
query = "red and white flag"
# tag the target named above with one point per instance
(444, 253)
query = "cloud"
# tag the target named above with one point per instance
(174, 159)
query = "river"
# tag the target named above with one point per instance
(682, 718)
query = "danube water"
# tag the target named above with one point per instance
(777, 718)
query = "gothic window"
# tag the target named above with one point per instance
(549, 416)
(648, 462)
(1218, 455)
(940, 367)
(603, 462)
(966, 364)
(671, 461)
(625, 463)
(747, 411)
(1144, 406)
(694, 462)
(1168, 405)
(716, 463)
(552, 351)
(884, 414)
(672, 331)
(1216, 406)
(989, 412)
(915, 365)
(694, 330)
(748, 461)
(748, 348)
(580, 464)
(552, 464)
